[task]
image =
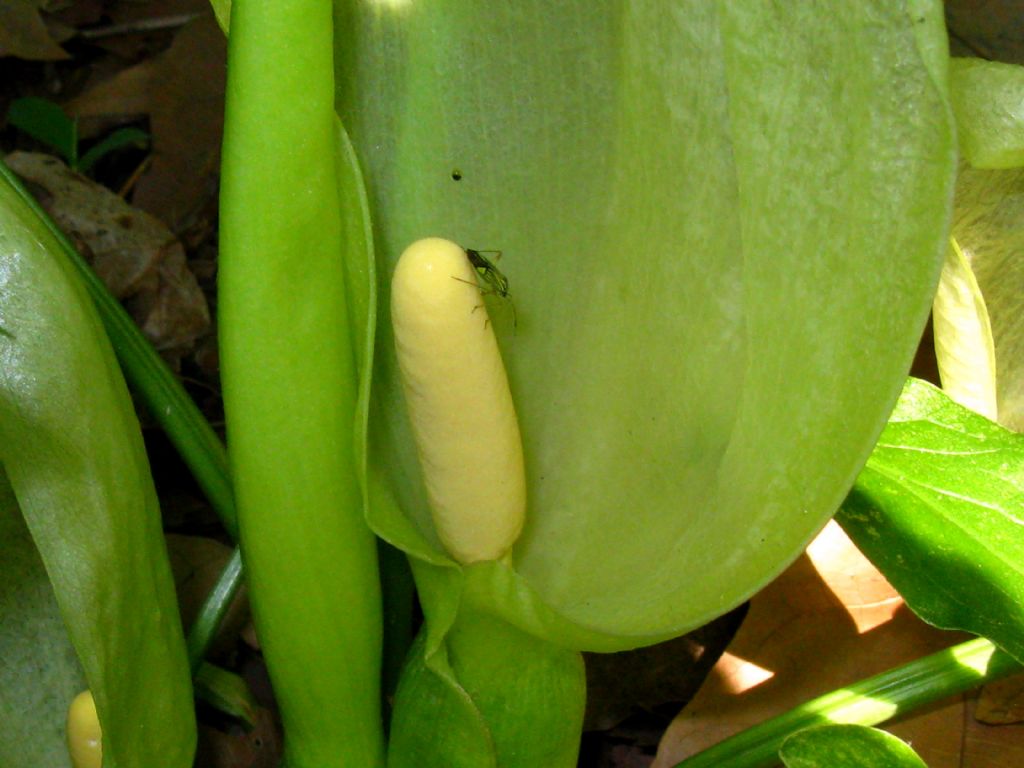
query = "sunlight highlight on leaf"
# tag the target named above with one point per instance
(740, 675)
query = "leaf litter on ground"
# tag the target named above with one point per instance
(134, 253)
(830, 620)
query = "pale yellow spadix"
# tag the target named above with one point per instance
(459, 402)
(85, 739)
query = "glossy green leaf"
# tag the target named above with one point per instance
(987, 215)
(722, 224)
(71, 447)
(939, 510)
(39, 672)
(988, 100)
(847, 746)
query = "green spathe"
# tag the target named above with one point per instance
(722, 224)
(72, 450)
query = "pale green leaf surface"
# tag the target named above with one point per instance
(72, 449)
(988, 100)
(39, 673)
(963, 337)
(939, 510)
(722, 224)
(847, 746)
(987, 224)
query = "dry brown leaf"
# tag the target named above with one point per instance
(182, 91)
(196, 563)
(648, 678)
(1002, 702)
(23, 33)
(126, 94)
(127, 12)
(992, 746)
(133, 253)
(260, 748)
(990, 29)
(829, 620)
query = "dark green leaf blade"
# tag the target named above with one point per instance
(939, 509)
(46, 122)
(847, 746)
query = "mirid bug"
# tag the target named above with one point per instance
(492, 276)
(487, 270)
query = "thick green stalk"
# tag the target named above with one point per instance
(868, 702)
(290, 386)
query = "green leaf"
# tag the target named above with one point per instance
(46, 122)
(227, 692)
(987, 215)
(988, 100)
(722, 224)
(122, 137)
(964, 347)
(940, 511)
(72, 450)
(889, 695)
(847, 746)
(39, 673)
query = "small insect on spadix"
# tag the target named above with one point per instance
(458, 399)
(492, 276)
(487, 271)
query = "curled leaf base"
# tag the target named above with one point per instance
(487, 695)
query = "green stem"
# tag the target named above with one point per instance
(869, 702)
(288, 367)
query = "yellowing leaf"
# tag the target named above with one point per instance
(963, 337)
(987, 225)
